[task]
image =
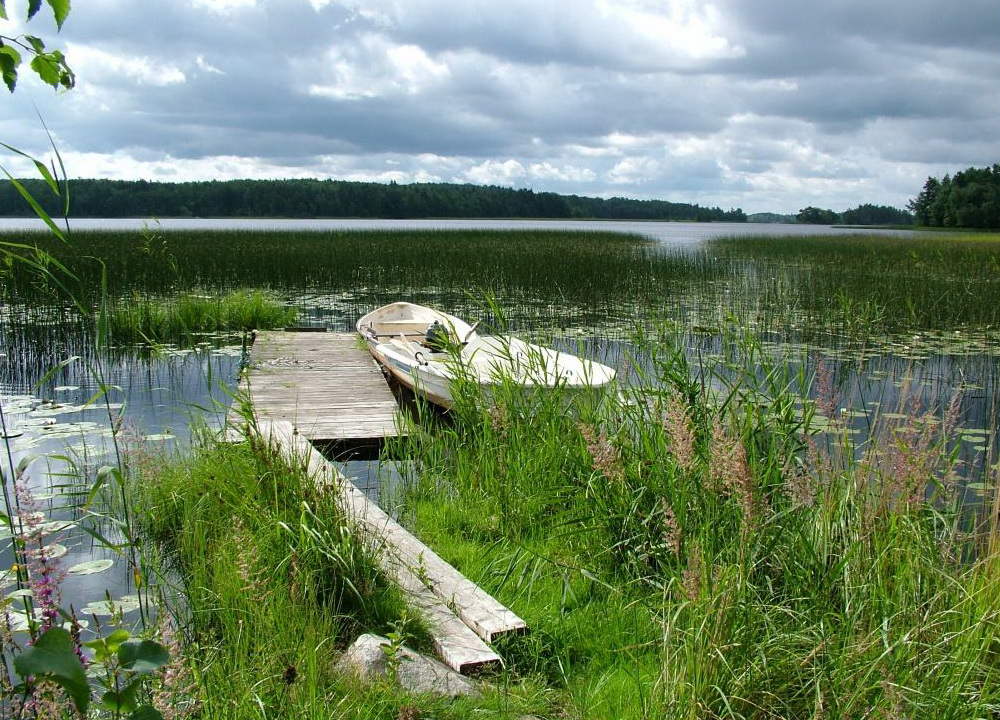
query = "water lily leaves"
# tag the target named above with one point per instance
(54, 526)
(18, 404)
(55, 550)
(125, 604)
(18, 621)
(91, 567)
(161, 437)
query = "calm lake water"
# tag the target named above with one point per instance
(666, 232)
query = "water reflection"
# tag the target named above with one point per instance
(57, 429)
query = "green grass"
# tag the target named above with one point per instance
(273, 587)
(176, 319)
(694, 554)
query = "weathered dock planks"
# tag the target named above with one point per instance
(324, 384)
(461, 614)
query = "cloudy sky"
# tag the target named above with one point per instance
(769, 105)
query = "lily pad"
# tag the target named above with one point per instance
(125, 604)
(18, 621)
(91, 567)
(55, 550)
(54, 526)
(161, 437)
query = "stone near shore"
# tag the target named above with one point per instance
(368, 659)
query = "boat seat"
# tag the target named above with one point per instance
(396, 327)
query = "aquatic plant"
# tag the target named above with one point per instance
(191, 316)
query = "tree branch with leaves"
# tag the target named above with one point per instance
(49, 65)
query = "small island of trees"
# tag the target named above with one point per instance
(970, 199)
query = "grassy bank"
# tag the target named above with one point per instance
(695, 554)
(690, 552)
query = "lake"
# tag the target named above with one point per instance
(666, 232)
(889, 354)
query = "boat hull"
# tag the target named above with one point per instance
(396, 337)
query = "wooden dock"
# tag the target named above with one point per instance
(309, 388)
(462, 616)
(328, 387)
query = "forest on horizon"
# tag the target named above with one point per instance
(340, 198)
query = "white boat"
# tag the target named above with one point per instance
(433, 353)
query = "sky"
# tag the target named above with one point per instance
(769, 106)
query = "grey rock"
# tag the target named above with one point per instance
(368, 660)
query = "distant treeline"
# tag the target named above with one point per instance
(338, 198)
(866, 214)
(970, 199)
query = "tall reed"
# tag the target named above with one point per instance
(694, 552)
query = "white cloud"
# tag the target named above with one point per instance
(93, 65)
(375, 67)
(205, 66)
(223, 7)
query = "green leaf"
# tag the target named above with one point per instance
(3, 10)
(33, 7)
(36, 43)
(146, 712)
(10, 58)
(123, 701)
(60, 9)
(105, 647)
(39, 211)
(53, 658)
(143, 657)
(47, 68)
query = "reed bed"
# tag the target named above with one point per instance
(845, 290)
(176, 319)
(864, 285)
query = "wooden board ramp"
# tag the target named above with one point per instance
(328, 387)
(462, 616)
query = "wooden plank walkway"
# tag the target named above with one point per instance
(461, 615)
(327, 386)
